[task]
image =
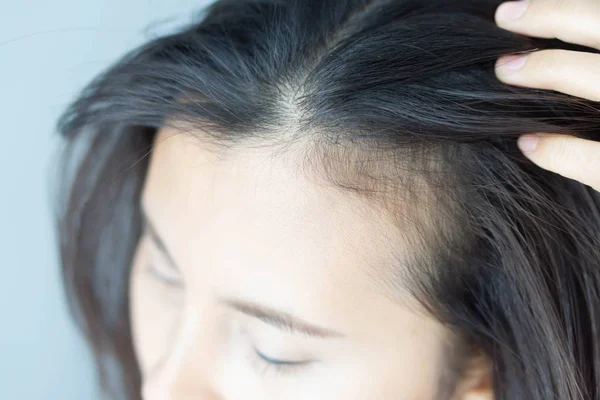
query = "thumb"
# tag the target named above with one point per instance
(566, 155)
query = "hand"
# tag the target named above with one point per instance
(571, 72)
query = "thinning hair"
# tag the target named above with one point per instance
(387, 100)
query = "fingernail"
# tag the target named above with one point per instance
(512, 10)
(511, 63)
(528, 143)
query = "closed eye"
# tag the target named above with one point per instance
(275, 361)
(281, 367)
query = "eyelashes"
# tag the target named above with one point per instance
(267, 364)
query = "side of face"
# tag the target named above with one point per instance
(239, 248)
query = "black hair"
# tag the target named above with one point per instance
(509, 254)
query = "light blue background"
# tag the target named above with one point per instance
(48, 51)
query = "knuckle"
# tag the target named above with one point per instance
(556, 6)
(590, 160)
(561, 152)
(547, 65)
(545, 9)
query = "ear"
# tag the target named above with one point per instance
(477, 380)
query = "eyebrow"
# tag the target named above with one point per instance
(152, 232)
(280, 319)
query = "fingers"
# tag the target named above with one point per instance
(571, 72)
(568, 156)
(572, 21)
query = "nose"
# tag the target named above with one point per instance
(190, 369)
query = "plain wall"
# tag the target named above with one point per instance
(48, 51)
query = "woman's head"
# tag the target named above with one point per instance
(351, 163)
(236, 242)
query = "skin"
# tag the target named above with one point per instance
(246, 231)
(247, 227)
(569, 72)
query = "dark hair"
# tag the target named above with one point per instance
(506, 254)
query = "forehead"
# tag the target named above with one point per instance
(253, 216)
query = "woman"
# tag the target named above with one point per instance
(325, 199)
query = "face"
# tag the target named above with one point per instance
(251, 282)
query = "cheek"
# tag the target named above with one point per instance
(155, 312)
